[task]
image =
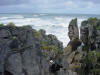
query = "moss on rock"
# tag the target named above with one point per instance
(1, 24)
(37, 35)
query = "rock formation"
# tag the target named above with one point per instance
(73, 30)
(73, 53)
(83, 54)
(90, 34)
(25, 51)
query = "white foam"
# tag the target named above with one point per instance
(3, 18)
(35, 15)
(12, 17)
(43, 14)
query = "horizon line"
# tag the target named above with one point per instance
(48, 13)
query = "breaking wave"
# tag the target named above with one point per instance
(57, 25)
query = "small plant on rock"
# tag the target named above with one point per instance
(11, 25)
(1, 24)
(37, 35)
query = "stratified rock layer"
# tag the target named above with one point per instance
(90, 34)
(73, 30)
(21, 51)
(25, 51)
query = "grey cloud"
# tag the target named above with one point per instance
(94, 1)
(37, 2)
(12, 2)
(49, 5)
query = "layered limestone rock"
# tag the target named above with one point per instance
(82, 55)
(25, 51)
(22, 51)
(97, 37)
(73, 53)
(73, 30)
(90, 34)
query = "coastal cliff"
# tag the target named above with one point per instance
(25, 51)
(83, 53)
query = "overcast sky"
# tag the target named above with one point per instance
(50, 6)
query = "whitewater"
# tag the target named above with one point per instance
(56, 24)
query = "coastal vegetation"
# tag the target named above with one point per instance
(11, 25)
(92, 20)
(1, 24)
(37, 35)
(92, 62)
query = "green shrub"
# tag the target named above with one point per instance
(47, 38)
(37, 35)
(84, 23)
(93, 20)
(44, 45)
(98, 27)
(90, 58)
(52, 48)
(98, 54)
(98, 57)
(11, 25)
(1, 24)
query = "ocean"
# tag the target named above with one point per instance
(56, 24)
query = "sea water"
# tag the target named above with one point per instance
(56, 24)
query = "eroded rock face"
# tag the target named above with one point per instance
(73, 30)
(84, 32)
(4, 49)
(31, 55)
(21, 52)
(77, 48)
(97, 38)
(90, 35)
(72, 51)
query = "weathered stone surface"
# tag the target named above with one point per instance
(90, 35)
(21, 53)
(73, 30)
(97, 36)
(14, 64)
(27, 57)
(73, 52)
